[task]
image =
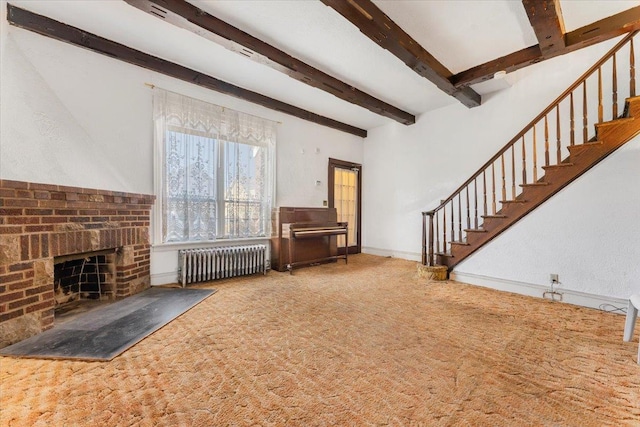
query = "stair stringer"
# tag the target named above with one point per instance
(609, 137)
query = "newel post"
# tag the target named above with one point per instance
(427, 244)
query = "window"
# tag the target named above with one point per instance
(217, 179)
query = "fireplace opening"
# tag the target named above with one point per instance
(82, 281)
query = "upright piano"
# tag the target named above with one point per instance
(305, 236)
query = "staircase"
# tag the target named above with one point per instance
(530, 168)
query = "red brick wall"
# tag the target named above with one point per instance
(42, 221)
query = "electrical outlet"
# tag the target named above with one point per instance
(554, 278)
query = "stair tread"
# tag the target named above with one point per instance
(459, 243)
(513, 201)
(493, 216)
(615, 121)
(475, 230)
(447, 254)
(587, 144)
(534, 184)
(559, 165)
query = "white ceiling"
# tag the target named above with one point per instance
(460, 34)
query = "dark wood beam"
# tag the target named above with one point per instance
(546, 19)
(511, 62)
(604, 29)
(373, 23)
(48, 27)
(191, 18)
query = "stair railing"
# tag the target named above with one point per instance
(565, 122)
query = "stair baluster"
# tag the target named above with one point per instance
(614, 87)
(475, 198)
(453, 225)
(632, 70)
(585, 118)
(600, 108)
(572, 120)
(524, 162)
(444, 230)
(504, 180)
(546, 141)
(493, 189)
(437, 231)
(535, 156)
(484, 188)
(459, 217)
(513, 173)
(468, 210)
(558, 136)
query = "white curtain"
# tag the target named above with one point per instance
(218, 178)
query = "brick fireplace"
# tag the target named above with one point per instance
(40, 222)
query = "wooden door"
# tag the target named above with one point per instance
(345, 194)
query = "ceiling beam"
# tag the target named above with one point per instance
(546, 19)
(373, 23)
(66, 33)
(191, 18)
(604, 29)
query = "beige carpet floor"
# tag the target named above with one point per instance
(367, 344)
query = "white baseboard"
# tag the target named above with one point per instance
(411, 256)
(616, 305)
(164, 278)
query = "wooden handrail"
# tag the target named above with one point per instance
(539, 117)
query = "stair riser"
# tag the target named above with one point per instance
(490, 224)
(634, 107)
(474, 238)
(615, 136)
(589, 156)
(577, 149)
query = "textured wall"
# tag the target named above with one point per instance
(72, 118)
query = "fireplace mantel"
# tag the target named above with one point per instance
(41, 221)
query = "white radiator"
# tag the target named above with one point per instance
(199, 265)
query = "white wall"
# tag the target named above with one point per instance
(73, 117)
(588, 234)
(410, 169)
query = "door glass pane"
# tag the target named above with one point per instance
(345, 200)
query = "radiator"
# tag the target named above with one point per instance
(199, 265)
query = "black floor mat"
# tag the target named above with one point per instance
(107, 331)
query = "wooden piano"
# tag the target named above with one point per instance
(305, 236)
